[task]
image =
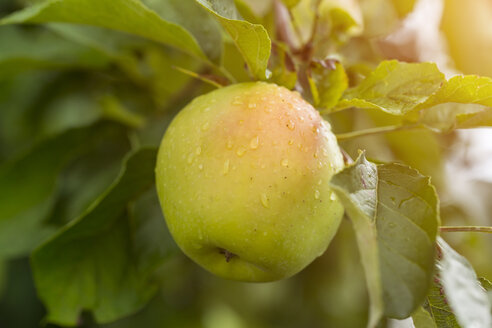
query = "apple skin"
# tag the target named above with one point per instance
(243, 180)
(467, 27)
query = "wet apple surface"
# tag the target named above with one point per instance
(243, 179)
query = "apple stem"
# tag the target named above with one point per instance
(465, 229)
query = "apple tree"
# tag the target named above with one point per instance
(316, 146)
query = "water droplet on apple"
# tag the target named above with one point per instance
(333, 196)
(291, 125)
(229, 143)
(240, 151)
(198, 150)
(253, 144)
(225, 170)
(200, 167)
(205, 126)
(190, 159)
(264, 200)
(237, 101)
(316, 194)
(285, 162)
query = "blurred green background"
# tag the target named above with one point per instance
(58, 77)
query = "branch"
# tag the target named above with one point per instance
(465, 229)
(378, 130)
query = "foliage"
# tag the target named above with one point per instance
(87, 89)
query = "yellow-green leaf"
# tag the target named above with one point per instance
(397, 207)
(129, 16)
(252, 40)
(394, 87)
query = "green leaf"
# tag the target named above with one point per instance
(152, 240)
(488, 287)
(405, 208)
(91, 264)
(338, 21)
(464, 293)
(394, 87)
(85, 178)
(246, 11)
(290, 3)
(117, 46)
(407, 89)
(161, 69)
(3, 275)
(469, 89)
(356, 186)
(407, 224)
(485, 283)
(437, 305)
(22, 50)
(480, 118)
(422, 319)
(17, 129)
(113, 109)
(330, 82)
(202, 25)
(129, 16)
(110, 42)
(68, 107)
(462, 102)
(283, 68)
(252, 40)
(233, 62)
(28, 188)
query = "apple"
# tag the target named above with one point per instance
(243, 180)
(467, 27)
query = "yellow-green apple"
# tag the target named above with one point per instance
(243, 179)
(467, 26)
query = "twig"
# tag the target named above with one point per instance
(465, 229)
(284, 20)
(378, 130)
(210, 79)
